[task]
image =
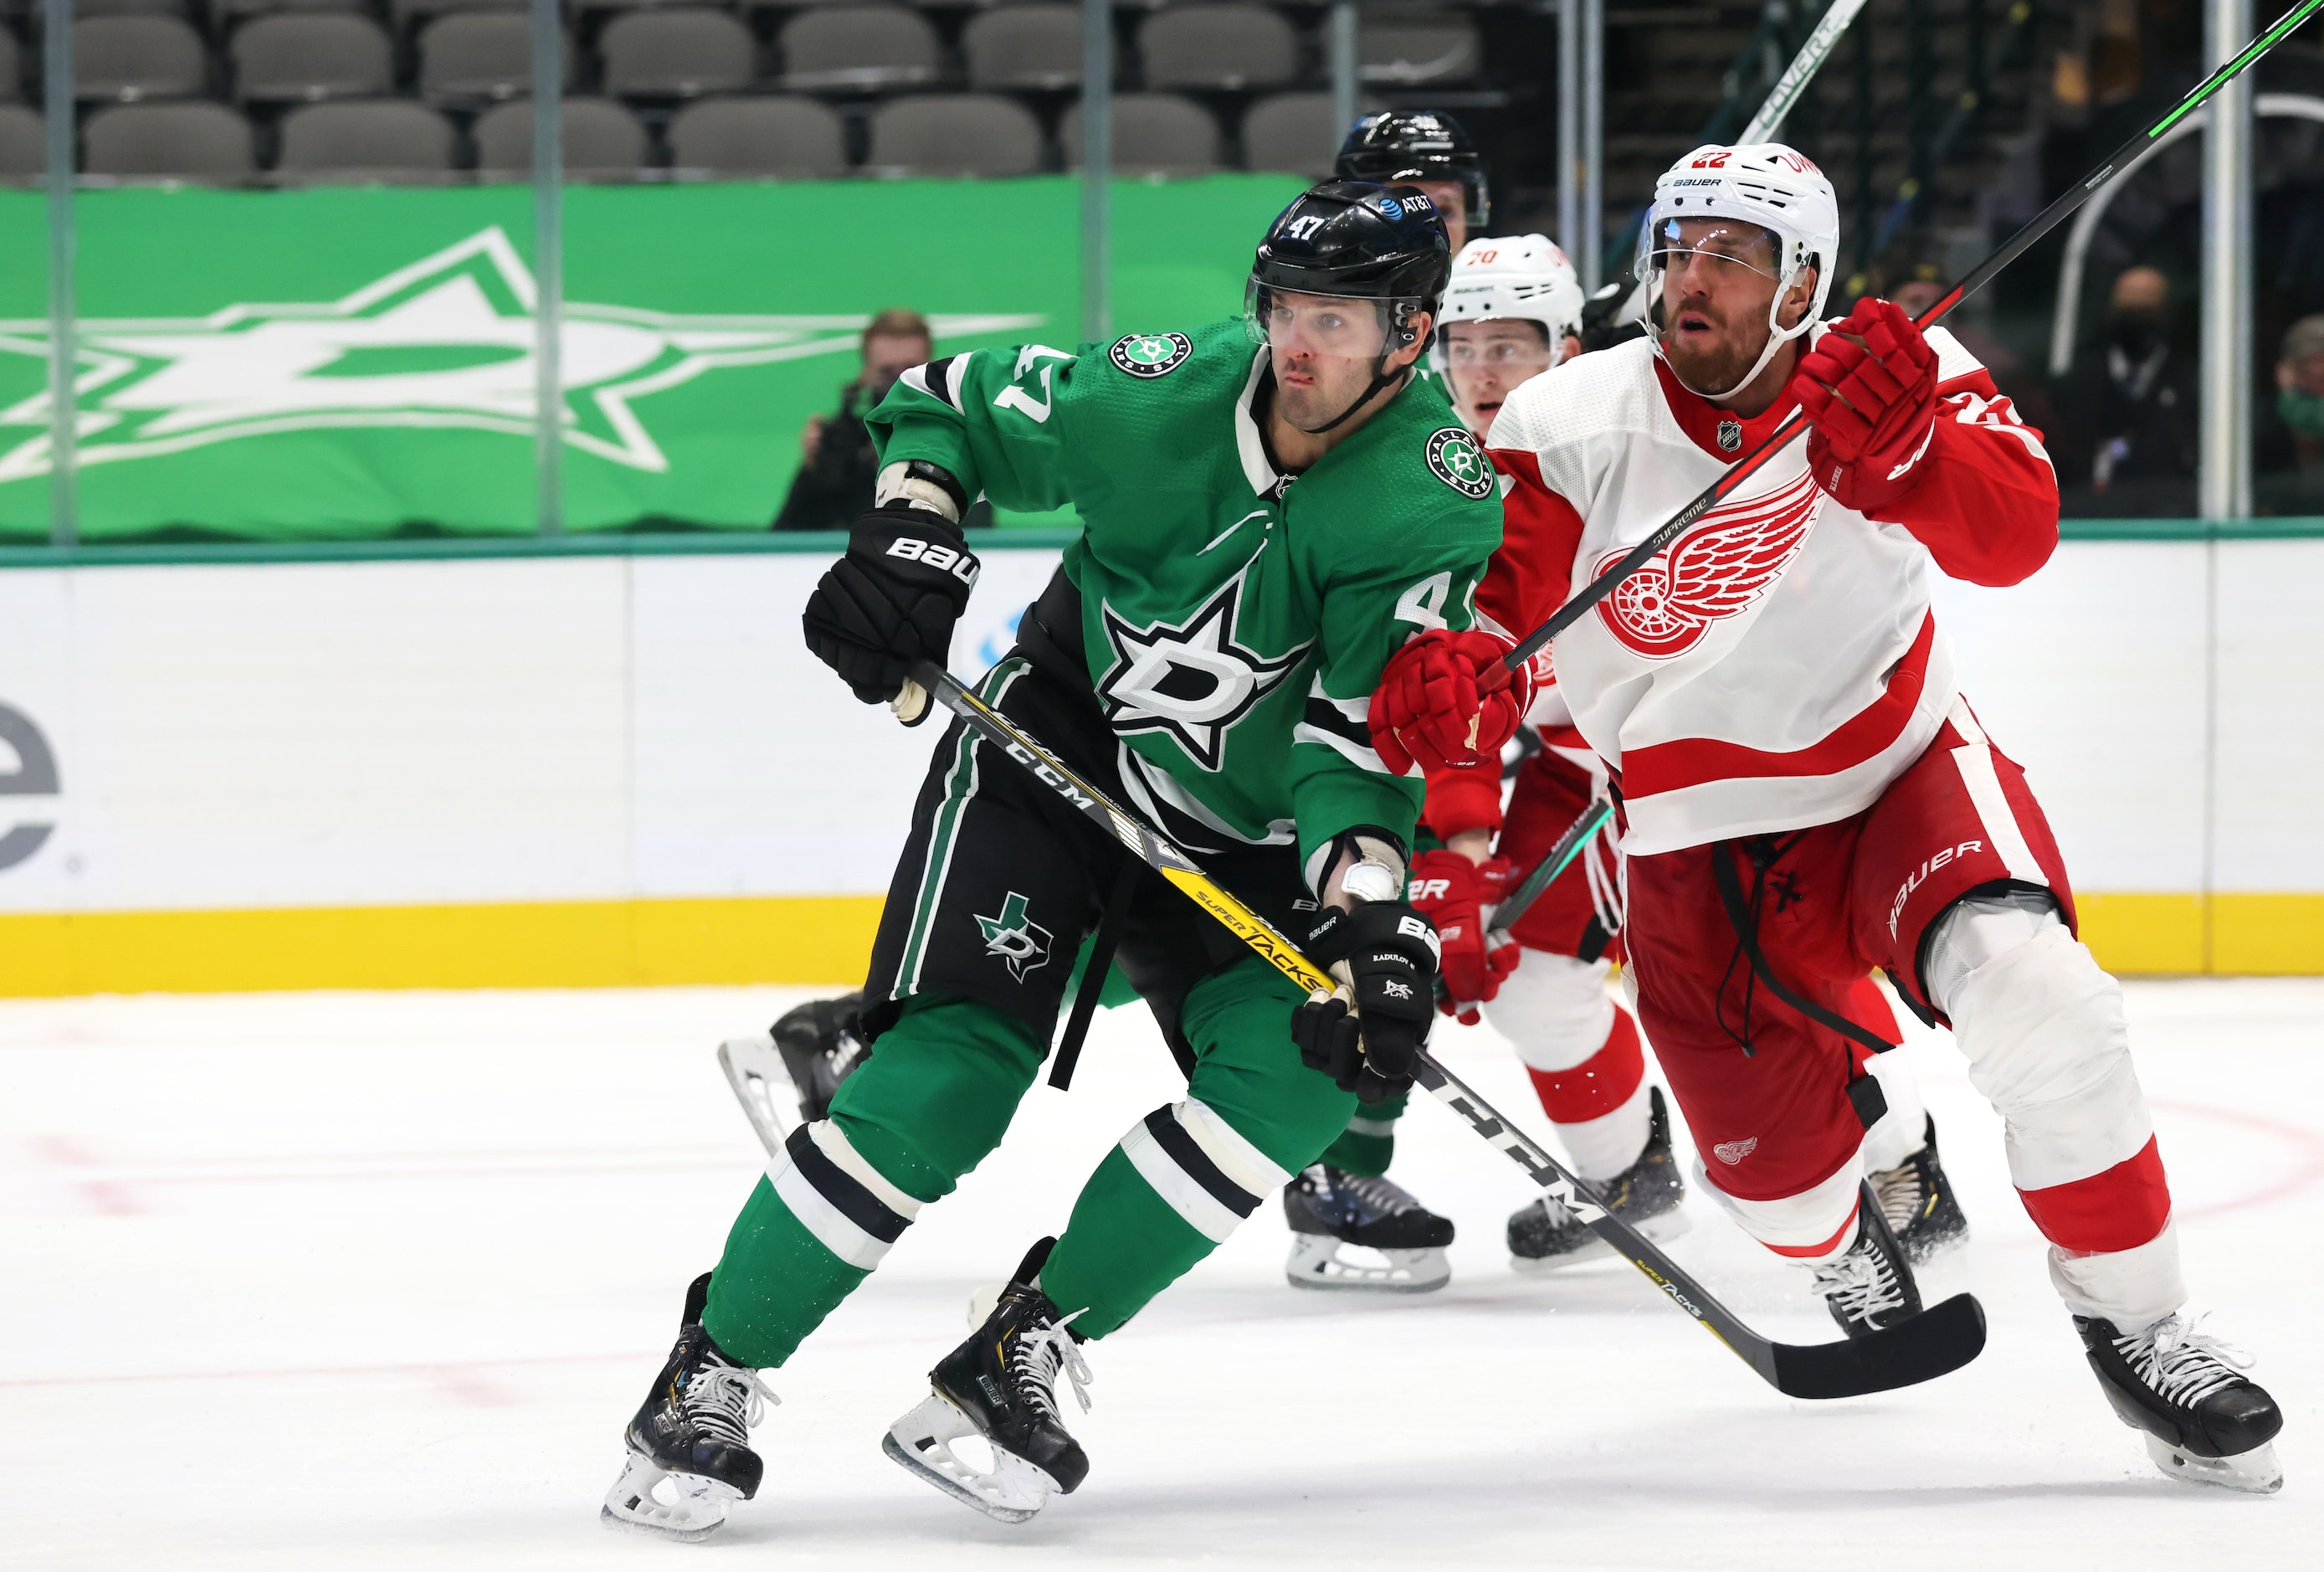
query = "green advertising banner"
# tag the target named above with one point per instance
(344, 363)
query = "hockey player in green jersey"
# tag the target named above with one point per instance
(1271, 507)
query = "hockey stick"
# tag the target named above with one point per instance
(1781, 97)
(2009, 250)
(1940, 1339)
(1568, 847)
(1801, 71)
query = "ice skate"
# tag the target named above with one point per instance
(1000, 1385)
(1870, 1288)
(1546, 1236)
(1329, 1207)
(2203, 1422)
(690, 1458)
(1917, 1199)
(821, 1045)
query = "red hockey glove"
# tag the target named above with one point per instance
(1441, 702)
(1873, 406)
(1452, 893)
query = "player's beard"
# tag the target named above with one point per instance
(1338, 385)
(1715, 371)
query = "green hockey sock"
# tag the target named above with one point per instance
(1184, 1175)
(1367, 1144)
(927, 1106)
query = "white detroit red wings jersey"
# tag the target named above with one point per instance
(1778, 665)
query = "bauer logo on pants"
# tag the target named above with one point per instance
(1023, 943)
(1456, 458)
(1147, 356)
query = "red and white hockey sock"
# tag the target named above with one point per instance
(1583, 1052)
(1814, 1225)
(2041, 1026)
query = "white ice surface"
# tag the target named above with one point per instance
(374, 1280)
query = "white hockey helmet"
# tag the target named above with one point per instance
(1765, 184)
(1522, 278)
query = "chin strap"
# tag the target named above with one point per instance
(1381, 378)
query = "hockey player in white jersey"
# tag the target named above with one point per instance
(1512, 311)
(1806, 794)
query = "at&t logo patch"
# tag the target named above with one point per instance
(1454, 459)
(1147, 356)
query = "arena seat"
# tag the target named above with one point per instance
(485, 56)
(288, 55)
(196, 141)
(1024, 49)
(859, 49)
(776, 137)
(128, 57)
(681, 53)
(379, 138)
(1154, 134)
(1218, 48)
(954, 134)
(602, 139)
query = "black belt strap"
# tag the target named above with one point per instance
(1863, 1091)
(1094, 976)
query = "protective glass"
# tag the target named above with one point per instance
(1729, 247)
(1341, 325)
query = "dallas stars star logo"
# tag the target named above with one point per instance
(1022, 943)
(1194, 681)
(445, 341)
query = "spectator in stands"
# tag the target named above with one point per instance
(2128, 437)
(838, 465)
(2291, 459)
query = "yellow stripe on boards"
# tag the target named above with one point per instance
(809, 939)
(2251, 935)
(562, 943)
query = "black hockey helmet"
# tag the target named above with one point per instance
(1367, 242)
(1417, 144)
(1356, 240)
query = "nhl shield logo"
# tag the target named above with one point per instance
(1147, 356)
(1454, 459)
(1731, 436)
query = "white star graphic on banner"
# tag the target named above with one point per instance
(447, 341)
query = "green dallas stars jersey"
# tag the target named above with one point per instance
(1236, 620)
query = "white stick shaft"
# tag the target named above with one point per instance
(1801, 71)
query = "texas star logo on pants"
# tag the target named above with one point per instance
(1017, 939)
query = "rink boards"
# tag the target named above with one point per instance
(625, 769)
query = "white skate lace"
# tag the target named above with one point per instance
(2182, 1362)
(1037, 1358)
(1385, 1196)
(726, 1400)
(1898, 1190)
(1862, 1283)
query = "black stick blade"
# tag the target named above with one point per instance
(1936, 1342)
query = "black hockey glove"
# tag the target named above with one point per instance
(1389, 951)
(892, 600)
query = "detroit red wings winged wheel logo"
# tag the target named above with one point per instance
(1712, 573)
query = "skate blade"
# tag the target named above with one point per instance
(695, 1507)
(2255, 1472)
(1315, 1264)
(754, 1069)
(1668, 1226)
(1013, 1491)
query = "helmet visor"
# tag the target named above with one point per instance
(1345, 327)
(1727, 248)
(1522, 353)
